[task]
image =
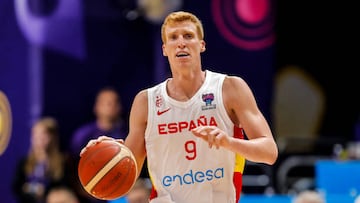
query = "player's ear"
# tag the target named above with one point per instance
(163, 49)
(203, 48)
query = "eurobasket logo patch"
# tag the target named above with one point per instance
(208, 99)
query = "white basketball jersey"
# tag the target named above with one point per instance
(182, 167)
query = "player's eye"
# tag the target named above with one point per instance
(188, 36)
(173, 37)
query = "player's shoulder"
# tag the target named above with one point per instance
(141, 96)
(223, 74)
(233, 82)
(234, 79)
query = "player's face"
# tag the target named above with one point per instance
(182, 43)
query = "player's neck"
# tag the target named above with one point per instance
(184, 86)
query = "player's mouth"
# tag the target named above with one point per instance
(182, 54)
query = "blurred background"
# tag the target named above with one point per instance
(295, 55)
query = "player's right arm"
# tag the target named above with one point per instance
(135, 140)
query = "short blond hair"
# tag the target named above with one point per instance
(181, 16)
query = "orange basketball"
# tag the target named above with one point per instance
(107, 170)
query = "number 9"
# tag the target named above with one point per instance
(190, 148)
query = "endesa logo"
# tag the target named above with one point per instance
(193, 177)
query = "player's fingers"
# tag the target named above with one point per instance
(202, 130)
(211, 139)
(214, 135)
(121, 141)
(90, 143)
(82, 151)
(217, 142)
(197, 132)
(104, 137)
(99, 139)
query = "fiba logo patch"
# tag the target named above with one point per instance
(246, 24)
(5, 122)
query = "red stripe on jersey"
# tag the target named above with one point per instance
(237, 184)
(153, 193)
(237, 179)
(238, 132)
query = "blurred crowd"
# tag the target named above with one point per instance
(48, 174)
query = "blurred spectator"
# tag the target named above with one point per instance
(108, 120)
(61, 194)
(357, 130)
(140, 192)
(309, 196)
(357, 199)
(43, 166)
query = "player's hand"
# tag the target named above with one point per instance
(99, 139)
(212, 135)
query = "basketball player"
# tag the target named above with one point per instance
(190, 127)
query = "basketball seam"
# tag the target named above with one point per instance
(114, 189)
(91, 184)
(128, 172)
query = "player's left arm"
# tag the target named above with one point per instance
(242, 108)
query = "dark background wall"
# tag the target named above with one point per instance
(99, 45)
(318, 37)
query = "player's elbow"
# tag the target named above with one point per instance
(272, 156)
